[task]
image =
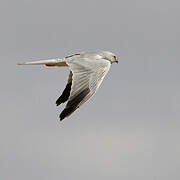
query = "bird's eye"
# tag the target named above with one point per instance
(115, 57)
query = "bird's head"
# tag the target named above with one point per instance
(110, 56)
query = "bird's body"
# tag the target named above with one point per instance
(87, 71)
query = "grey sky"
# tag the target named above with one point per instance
(130, 128)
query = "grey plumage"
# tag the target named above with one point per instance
(87, 71)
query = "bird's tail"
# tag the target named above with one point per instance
(49, 62)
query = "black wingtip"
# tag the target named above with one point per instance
(65, 95)
(63, 114)
(57, 104)
(72, 105)
(61, 119)
(59, 101)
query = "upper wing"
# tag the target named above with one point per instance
(87, 77)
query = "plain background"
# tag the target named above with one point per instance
(130, 129)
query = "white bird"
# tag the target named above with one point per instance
(87, 71)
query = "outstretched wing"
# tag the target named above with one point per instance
(87, 75)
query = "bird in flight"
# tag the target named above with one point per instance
(87, 71)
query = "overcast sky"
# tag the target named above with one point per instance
(130, 129)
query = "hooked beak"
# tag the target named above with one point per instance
(116, 62)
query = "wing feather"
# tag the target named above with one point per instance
(65, 95)
(87, 75)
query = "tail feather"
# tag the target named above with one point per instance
(49, 62)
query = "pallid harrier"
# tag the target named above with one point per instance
(87, 71)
